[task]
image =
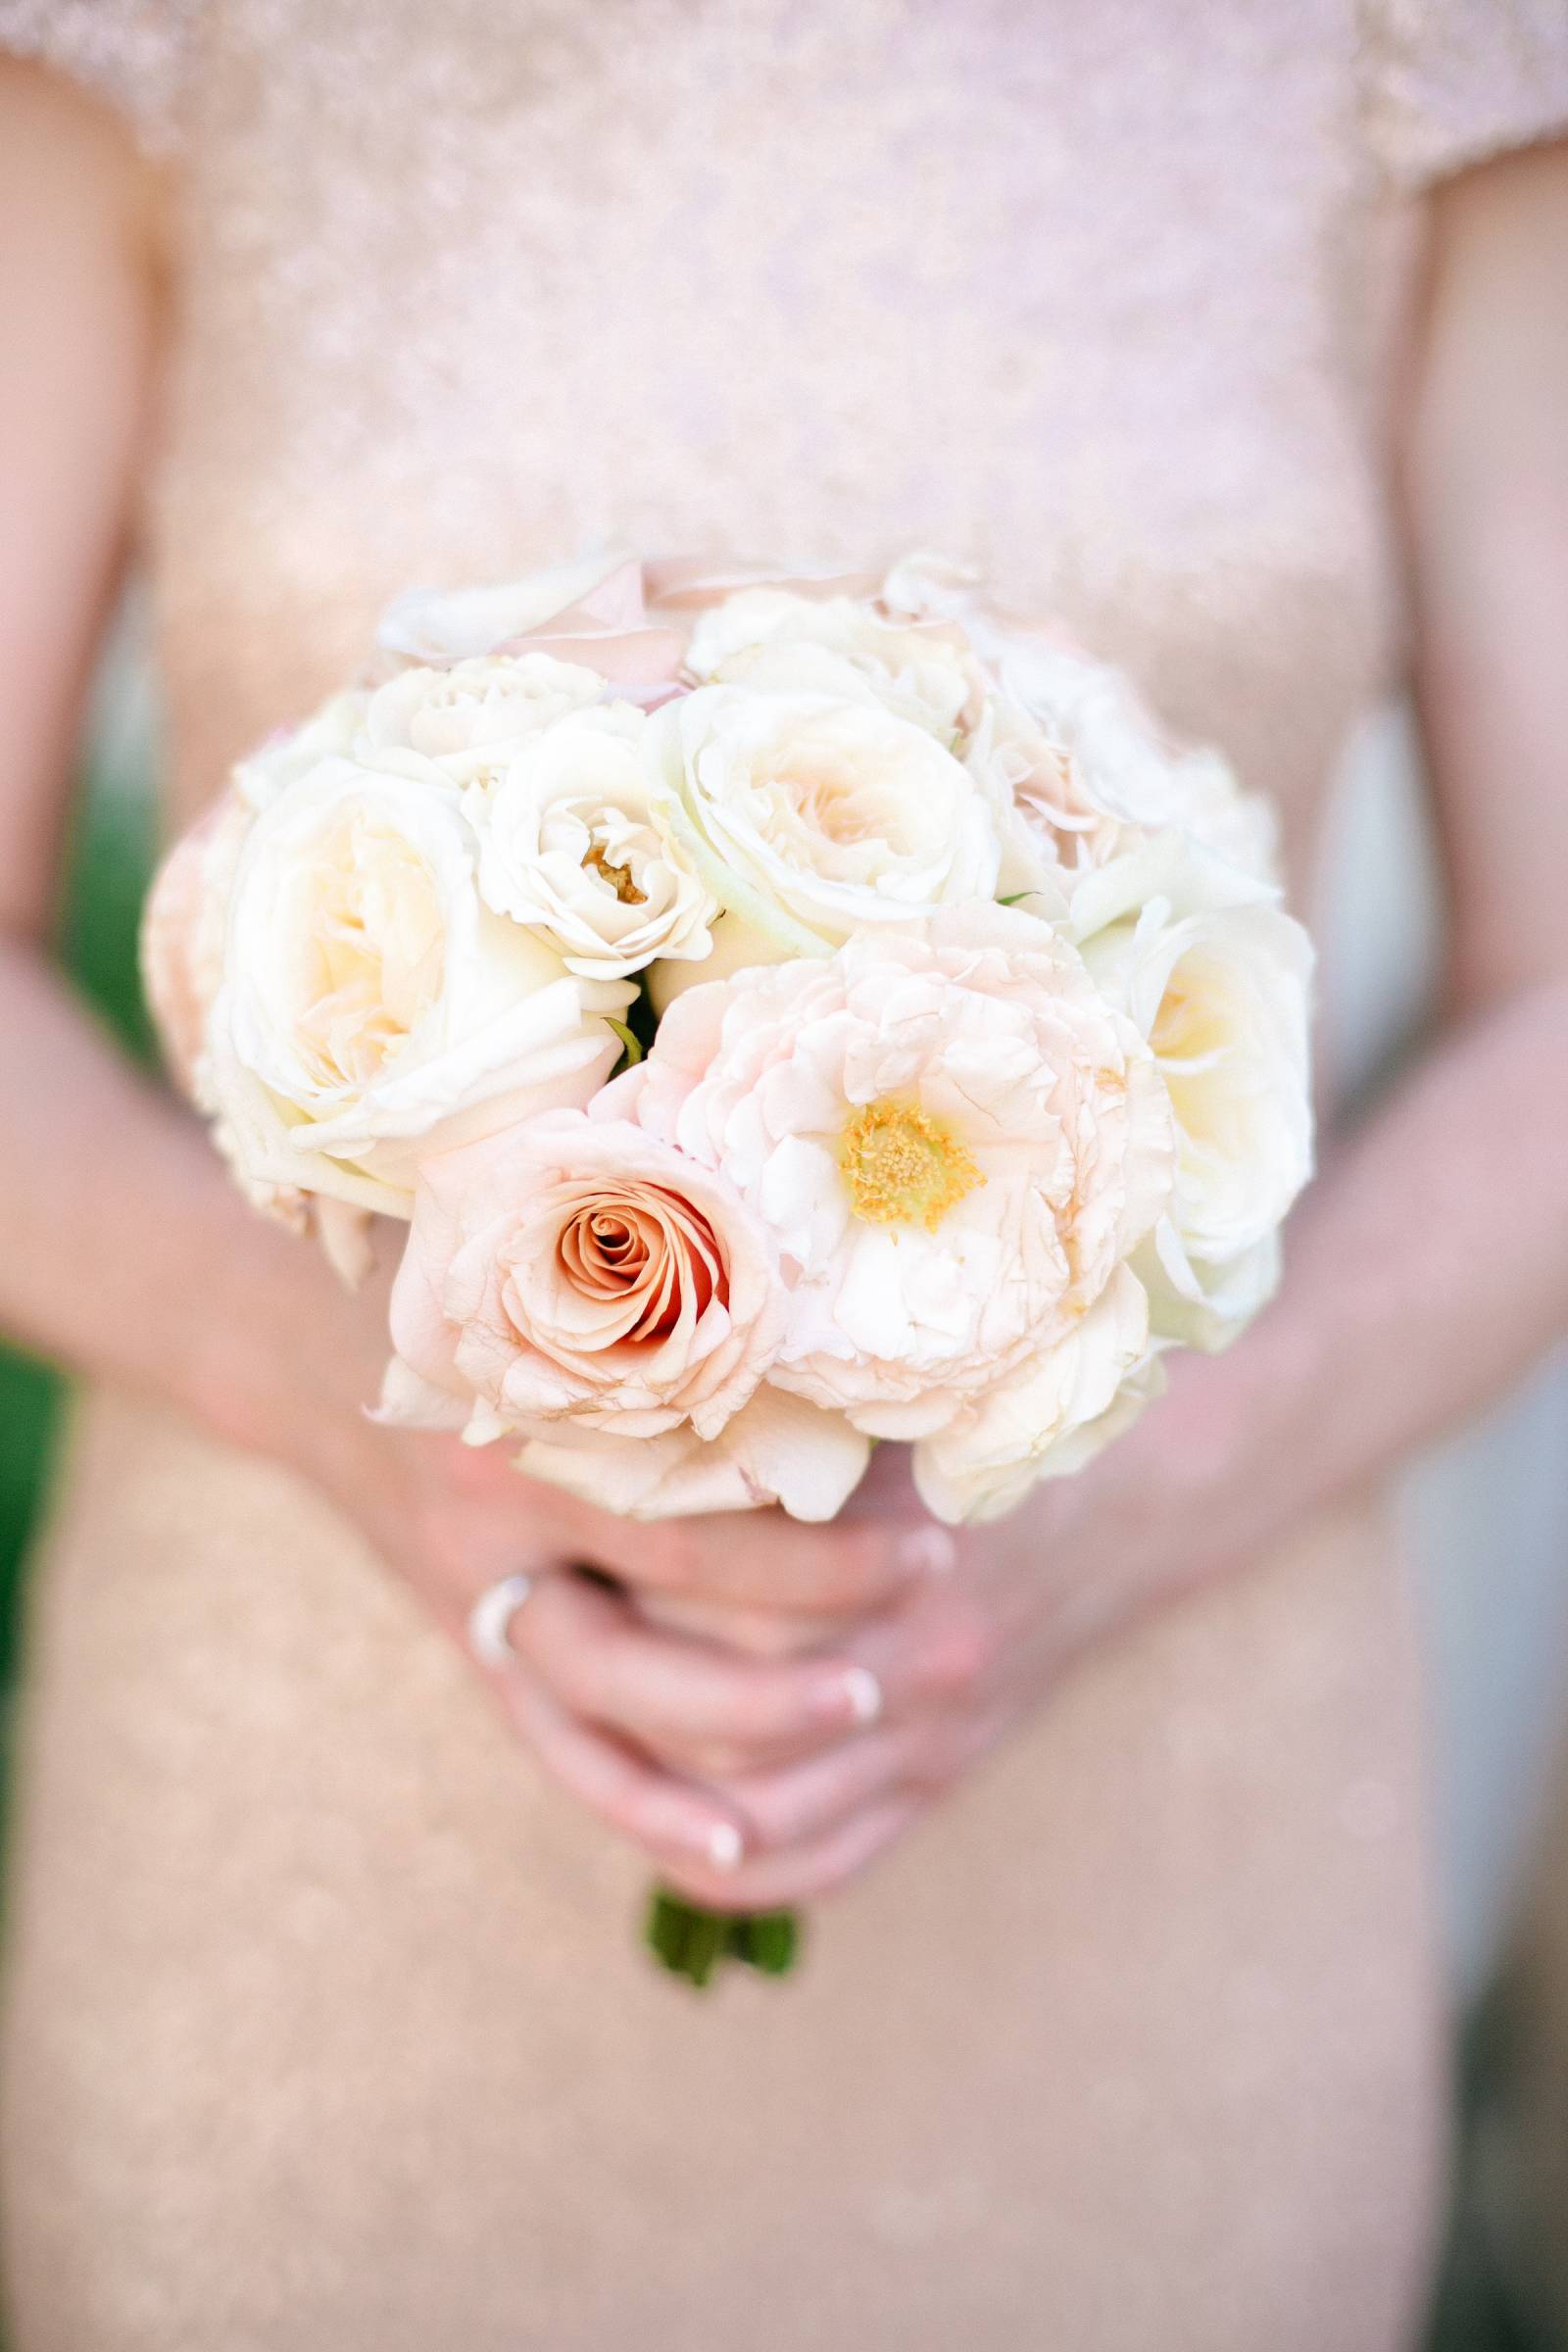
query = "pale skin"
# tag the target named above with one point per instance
(1427, 1266)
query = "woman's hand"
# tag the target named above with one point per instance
(963, 1656)
(641, 1720)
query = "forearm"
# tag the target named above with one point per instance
(1426, 1268)
(128, 1254)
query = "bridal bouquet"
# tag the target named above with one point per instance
(787, 1012)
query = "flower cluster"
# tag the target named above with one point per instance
(978, 1063)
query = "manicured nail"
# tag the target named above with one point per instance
(928, 1551)
(843, 1695)
(863, 1693)
(725, 1846)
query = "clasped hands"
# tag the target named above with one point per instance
(762, 1707)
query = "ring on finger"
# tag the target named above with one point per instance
(491, 1618)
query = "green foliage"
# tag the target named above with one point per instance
(111, 857)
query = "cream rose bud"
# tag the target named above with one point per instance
(573, 846)
(954, 1142)
(574, 1273)
(461, 725)
(769, 637)
(810, 817)
(1218, 979)
(372, 1003)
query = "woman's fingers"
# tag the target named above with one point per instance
(800, 1804)
(804, 1874)
(940, 1647)
(688, 1701)
(679, 1825)
(754, 1559)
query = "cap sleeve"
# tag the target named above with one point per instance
(1453, 81)
(133, 54)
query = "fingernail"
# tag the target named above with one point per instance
(844, 1695)
(928, 1551)
(725, 1846)
(863, 1693)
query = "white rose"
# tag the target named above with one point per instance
(572, 846)
(767, 637)
(463, 725)
(1218, 979)
(372, 1003)
(811, 818)
(1048, 1417)
(1095, 769)
(1127, 774)
(294, 751)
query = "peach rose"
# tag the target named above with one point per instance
(576, 1272)
(954, 1142)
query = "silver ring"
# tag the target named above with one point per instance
(490, 1620)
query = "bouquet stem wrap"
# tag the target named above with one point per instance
(688, 1938)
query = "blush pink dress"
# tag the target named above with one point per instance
(323, 2026)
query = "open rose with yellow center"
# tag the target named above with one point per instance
(956, 1143)
(573, 844)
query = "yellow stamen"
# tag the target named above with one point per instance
(619, 877)
(903, 1166)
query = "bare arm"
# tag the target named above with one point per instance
(107, 1199)
(1430, 1264)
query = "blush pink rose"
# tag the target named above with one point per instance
(576, 1276)
(956, 1143)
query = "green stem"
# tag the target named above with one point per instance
(691, 1942)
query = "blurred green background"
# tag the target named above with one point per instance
(111, 856)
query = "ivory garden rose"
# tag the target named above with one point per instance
(573, 844)
(372, 1004)
(780, 639)
(1217, 977)
(810, 815)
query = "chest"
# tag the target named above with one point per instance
(1082, 293)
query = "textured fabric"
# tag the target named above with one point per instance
(1451, 82)
(137, 55)
(322, 2027)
